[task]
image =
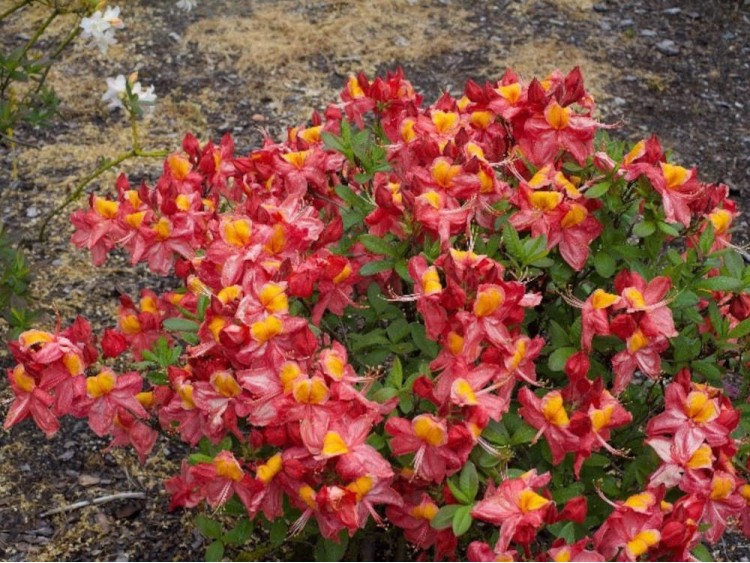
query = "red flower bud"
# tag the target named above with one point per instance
(575, 510)
(113, 343)
(423, 387)
(577, 365)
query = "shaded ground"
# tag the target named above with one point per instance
(679, 69)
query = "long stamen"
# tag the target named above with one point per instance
(300, 523)
(418, 458)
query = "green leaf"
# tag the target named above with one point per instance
(328, 550)
(559, 357)
(215, 551)
(178, 324)
(462, 520)
(644, 229)
(384, 394)
(208, 527)
(378, 245)
(720, 283)
(277, 534)
(396, 375)
(597, 190)
(195, 459)
(398, 330)
(157, 378)
(402, 269)
(444, 517)
(373, 338)
(707, 367)
(469, 480)
(706, 240)
(427, 346)
(512, 241)
(523, 435)
(668, 229)
(376, 267)
(742, 329)
(702, 553)
(239, 535)
(458, 493)
(604, 264)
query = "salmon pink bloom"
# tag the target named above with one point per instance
(577, 229)
(696, 406)
(633, 528)
(105, 393)
(677, 186)
(414, 517)
(224, 477)
(646, 302)
(686, 451)
(595, 315)
(30, 401)
(558, 128)
(439, 450)
(428, 289)
(548, 415)
(128, 430)
(643, 351)
(560, 551)
(516, 507)
(603, 414)
(721, 493)
(344, 440)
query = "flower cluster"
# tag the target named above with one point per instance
(99, 28)
(448, 246)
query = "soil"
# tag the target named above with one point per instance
(676, 68)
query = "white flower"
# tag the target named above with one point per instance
(117, 91)
(100, 28)
(187, 5)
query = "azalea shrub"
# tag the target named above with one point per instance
(476, 329)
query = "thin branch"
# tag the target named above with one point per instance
(73, 34)
(15, 8)
(99, 500)
(31, 42)
(17, 142)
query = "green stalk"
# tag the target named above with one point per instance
(29, 44)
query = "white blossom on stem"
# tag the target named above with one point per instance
(100, 28)
(117, 91)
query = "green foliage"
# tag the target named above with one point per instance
(15, 277)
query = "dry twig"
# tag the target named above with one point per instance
(99, 500)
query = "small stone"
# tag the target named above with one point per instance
(401, 41)
(618, 101)
(672, 11)
(600, 8)
(102, 522)
(728, 36)
(175, 36)
(648, 33)
(32, 212)
(258, 117)
(25, 467)
(67, 455)
(627, 22)
(668, 47)
(88, 480)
